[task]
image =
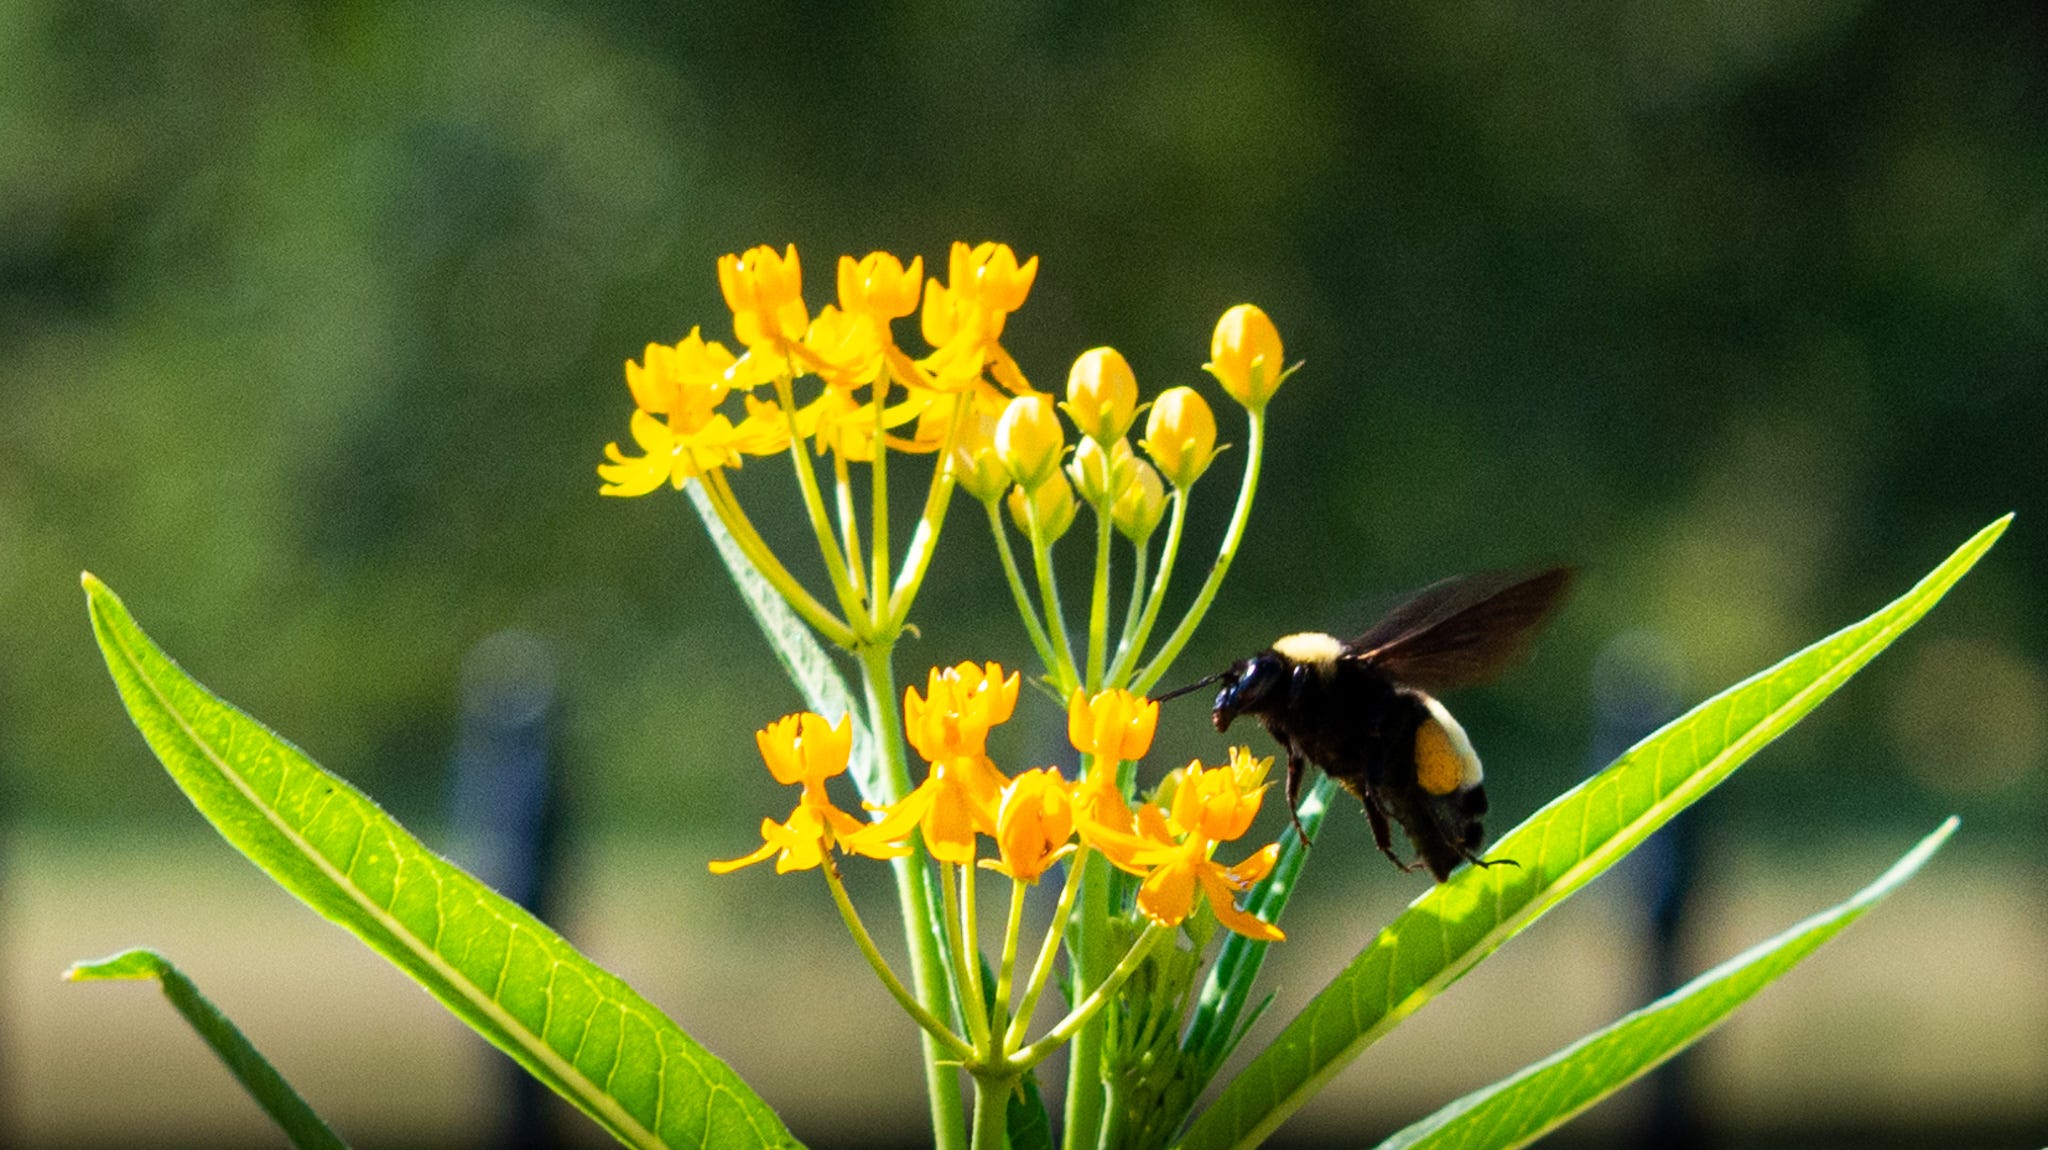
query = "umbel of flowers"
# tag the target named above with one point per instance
(832, 392)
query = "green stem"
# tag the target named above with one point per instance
(1098, 600)
(1168, 555)
(1087, 963)
(1091, 1006)
(924, 541)
(814, 503)
(965, 955)
(925, 1018)
(1041, 970)
(1224, 554)
(756, 549)
(991, 1110)
(1134, 608)
(849, 523)
(1006, 970)
(881, 604)
(913, 896)
(1064, 673)
(1025, 609)
(1115, 1115)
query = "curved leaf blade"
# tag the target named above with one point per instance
(573, 1025)
(1560, 848)
(305, 1128)
(1544, 1095)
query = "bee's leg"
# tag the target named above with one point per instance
(1482, 864)
(1383, 836)
(1294, 772)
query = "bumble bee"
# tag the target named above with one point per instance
(1365, 710)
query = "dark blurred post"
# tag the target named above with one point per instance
(1635, 691)
(505, 825)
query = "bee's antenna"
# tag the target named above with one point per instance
(1197, 685)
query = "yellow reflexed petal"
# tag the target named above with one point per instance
(1256, 866)
(1224, 904)
(949, 826)
(629, 477)
(768, 847)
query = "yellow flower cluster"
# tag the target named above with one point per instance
(680, 392)
(1037, 817)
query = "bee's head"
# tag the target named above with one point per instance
(1248, 687)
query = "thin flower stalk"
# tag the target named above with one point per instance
(1127, 657)
(1225, 553)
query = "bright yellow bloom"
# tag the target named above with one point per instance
(687, 379)
(879, 285)
(1052, 506)
(1102, 395)
(1034, 823)
(1180, 435)
(1173, 856)
(961, 703)
(1114, 725)
(949, 726)
(1220, 803)
(766, 294)
(988, 275)
(1030, 440)
(1245, 356)
(963, 319)
(845, 348)
(805, 750)
(1141, 504)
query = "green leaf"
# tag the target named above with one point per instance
(1561, 848)
(805, 660)
(248, 1065)
(1539, 1098)
(576, 1027)
(1026, 1119)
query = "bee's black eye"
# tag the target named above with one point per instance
(1248, 687)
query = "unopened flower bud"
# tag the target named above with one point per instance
(1245, 356)
(1102, 395)
(976, 468)
(1030, 440)
(1140, 505)
(1180, 435)
(1100, 474)
(1052, 504)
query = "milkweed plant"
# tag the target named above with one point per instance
(1164, 906)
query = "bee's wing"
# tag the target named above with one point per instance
(1463, 630)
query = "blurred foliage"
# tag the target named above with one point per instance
(311, 321)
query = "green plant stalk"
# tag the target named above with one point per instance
(866, 942)
(917, 558)
(1133, 608)
(849, 524)
(1090, 1008)
(1098, 600)
(992, 1110)
(1066, 675)
(814, 504)
(1041, 970)
(726, 505)
(881, 603)
(1025, 609)
(913, 897)
(1120, 672)
(1006, 971)
(1232, 538)
(1087, 965)
(957, 940)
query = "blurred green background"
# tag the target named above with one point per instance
(311, 324)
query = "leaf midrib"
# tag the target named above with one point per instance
(507, 1023)
(1560, 889)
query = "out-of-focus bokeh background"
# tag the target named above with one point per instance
(311, 324)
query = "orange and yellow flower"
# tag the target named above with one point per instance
(1170, 849)
(805, 750)
(1113, 725)
(1034, 825)
(949, 726)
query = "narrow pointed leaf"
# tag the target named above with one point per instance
(576, 1027)
(1523, 1107)
(250, 1068)
(803, 658)
(1561, 848)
